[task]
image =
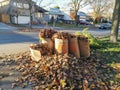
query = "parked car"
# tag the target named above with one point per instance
(110, 22)
(84, 22)
(105, 26)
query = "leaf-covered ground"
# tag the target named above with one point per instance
(109, 54)
(101, 71)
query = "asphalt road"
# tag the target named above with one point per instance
(16, 42)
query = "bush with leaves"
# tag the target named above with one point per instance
(94, 42)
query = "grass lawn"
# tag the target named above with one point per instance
(68, 25)
(109, 53)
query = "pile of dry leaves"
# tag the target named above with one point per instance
(63, 73)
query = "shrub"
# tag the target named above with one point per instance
(94, 43)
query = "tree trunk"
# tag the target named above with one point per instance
(30, 9)
(30, 24)
(115, 22)
(17, 19)
(76, 19)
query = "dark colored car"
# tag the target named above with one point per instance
(84, 22)
(105, 26)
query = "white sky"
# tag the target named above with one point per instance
(61, 3)
(1, 0)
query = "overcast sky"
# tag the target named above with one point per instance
(63, 4)
(52, 3)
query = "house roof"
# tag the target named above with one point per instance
(55, 11)
(82, 14)
(40, 9)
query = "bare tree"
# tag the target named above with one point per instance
(99, 7)
(76, 5)
(40, 2)
(109, 10)
(31, 10)
(115, 22)
(31, 6)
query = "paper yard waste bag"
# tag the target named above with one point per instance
(35, 54)
(84, 47)
(49, 42)
(61, 46)
(74, 47)
(39, 50)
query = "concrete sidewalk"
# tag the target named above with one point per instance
(7, 49)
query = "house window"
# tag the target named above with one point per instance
(19, 5)
(38, 15)
(26, 6)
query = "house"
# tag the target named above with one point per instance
(15, 11)
(55, 14)
(70, 19)
(82, 15)
(40, 14)
(3, 11)
(64, 15)
(18, 11)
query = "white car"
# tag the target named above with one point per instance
(105, 26)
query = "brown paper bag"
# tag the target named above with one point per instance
(74, 47)
(84, 47)
(61, 46)
(49, 42)
(35, 54)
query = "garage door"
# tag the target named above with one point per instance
(22, 19)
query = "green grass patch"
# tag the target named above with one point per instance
(110, 51)
(67, 25)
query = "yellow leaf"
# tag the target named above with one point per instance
(63, 82)
(48, 88)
